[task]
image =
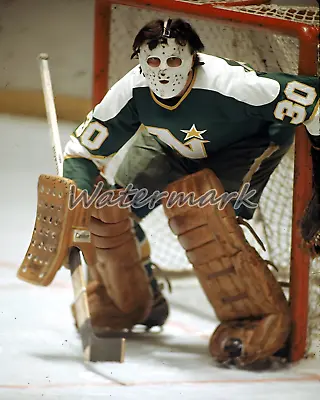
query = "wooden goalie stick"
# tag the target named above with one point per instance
(95, 348)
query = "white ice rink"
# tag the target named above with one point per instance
(40, 352)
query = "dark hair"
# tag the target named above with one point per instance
(179, 29)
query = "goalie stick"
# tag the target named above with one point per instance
(108, 348)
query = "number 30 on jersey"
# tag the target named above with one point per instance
(299, 96)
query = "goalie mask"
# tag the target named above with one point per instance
(166, 67)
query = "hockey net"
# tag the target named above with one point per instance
(272, 50)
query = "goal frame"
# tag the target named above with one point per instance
(307, 65)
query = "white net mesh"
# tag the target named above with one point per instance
(265, 52)
(307, 15)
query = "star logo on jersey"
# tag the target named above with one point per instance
(193, 133)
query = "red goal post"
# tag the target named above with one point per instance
(298, 22)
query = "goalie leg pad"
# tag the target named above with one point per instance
(235, 279)
(104, 314)
(248, 340)
(119, 262)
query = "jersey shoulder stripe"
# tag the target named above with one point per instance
(235, 81)
(119, 95)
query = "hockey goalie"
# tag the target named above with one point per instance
(208, 126)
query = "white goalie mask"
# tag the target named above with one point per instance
(166, 67)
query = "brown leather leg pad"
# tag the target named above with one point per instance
(119, 260)
(256, 337)
(235, 279)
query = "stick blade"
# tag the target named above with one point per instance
(105, 349)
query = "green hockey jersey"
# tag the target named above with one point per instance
(225, 102)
